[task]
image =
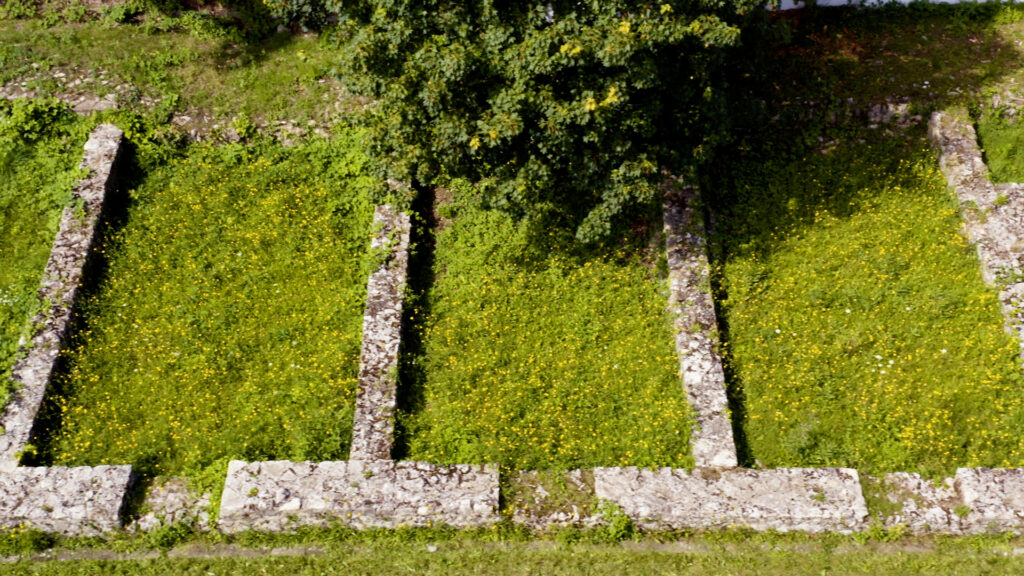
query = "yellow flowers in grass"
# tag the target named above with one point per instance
(229, 323)
(861, 333)
(542, 358)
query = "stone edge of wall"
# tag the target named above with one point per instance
(373, 425)
(696, 329)
(282, 495)
(78, 501)
(992, 225)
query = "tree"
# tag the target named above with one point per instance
(567, 107)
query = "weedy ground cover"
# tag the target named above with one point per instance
(1002, 140)
(208, 74)
(860, 332)
(40, 149)
(538, 354)
(228, 324)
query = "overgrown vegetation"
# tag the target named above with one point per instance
(40, 149)
(228, 324)
(859, 331)
(571, 106)
(1002, 140)
(538, 354)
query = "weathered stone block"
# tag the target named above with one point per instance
(924, 506)
(785, 499)
(280, 495)
(84, 501)
(993, 499)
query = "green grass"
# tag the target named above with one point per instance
(229, 322)
(1002, 140)
(686, 556)
(40, 149)
(211, 77)
(542, 357)
(860, 332)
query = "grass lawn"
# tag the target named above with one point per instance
(860, 332)
(40, 149)
(734, 554)
(539, 356)
(229, 322)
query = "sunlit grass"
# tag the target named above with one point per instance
(544, 360)
(860, 331)
(229, 323)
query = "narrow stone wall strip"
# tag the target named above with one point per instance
(84, 501)
(61, 278)
(373, 427)
(993, 220)
(696, 330)
(282, 495)
(784, 499)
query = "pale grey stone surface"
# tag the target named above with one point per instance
(994, 499)
(170, 501)
(281, 495)
(924, 506)
(993, 218)
(83, 501)
(373, 426)
(696, 330)
(784, 499)
(60, 282)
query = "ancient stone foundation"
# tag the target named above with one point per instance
(275, 496)
(696, 330)
(71, 501)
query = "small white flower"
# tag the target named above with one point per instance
(877, 357)
(943, 350)
(777, 331)
(847, 310)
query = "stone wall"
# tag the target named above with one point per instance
(275, 496)
(71, 501)
(993, 218)
(696, 329)
(373, 427)
(61, 278)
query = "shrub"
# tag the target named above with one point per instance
(567, 106)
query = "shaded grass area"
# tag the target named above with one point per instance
(228, 324)
(1002, 141)
(539, 355)
(860, 332)
(40, 150)
(206, 72)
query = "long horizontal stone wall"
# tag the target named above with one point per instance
(784, 499)
(276, 496)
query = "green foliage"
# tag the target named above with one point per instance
(24, 541)
(539, 355)
(40, 148)
(13, 9)
(568, 106)
(229, 323)
(1002, 139)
